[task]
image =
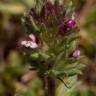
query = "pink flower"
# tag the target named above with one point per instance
(29, 44)
(76, 53)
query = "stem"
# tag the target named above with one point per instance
(49, 86)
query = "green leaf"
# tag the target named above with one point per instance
(69, 7)
(69, 70)
(63, 90)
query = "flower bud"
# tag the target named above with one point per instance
(70, 24)
(75, 53)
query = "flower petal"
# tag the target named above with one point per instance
(32, 37)
(33, 45)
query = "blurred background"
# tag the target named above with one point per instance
(12, 64)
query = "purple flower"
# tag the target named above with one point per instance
(65, 26)
(75, 53)
(70, 24)
(54, 14)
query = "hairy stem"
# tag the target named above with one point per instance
(49, 86)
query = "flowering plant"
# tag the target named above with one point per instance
(51, 44)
